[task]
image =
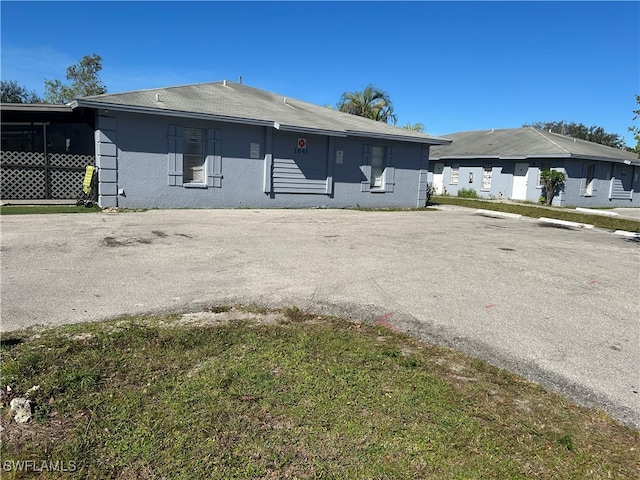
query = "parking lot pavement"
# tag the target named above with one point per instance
(559, 306)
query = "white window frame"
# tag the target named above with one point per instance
(455, 174)
(195, 162)
(487, 174)
(543, 166)
(378, 155)
(589, 183)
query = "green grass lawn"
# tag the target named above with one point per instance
(46, 209)
(297, 396)
(536, 211)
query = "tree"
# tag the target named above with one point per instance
(552, 181)
(416, 127)
(635, 129)
(372, 103)
(578, 130)
(84, 81)
(12, 92)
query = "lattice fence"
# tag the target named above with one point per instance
(31, 176)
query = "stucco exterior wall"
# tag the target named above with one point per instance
(615, 184)
(142, 163)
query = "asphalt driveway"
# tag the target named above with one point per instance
(559, 306)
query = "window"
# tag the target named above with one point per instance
(377, 166)
(378, 173)
(486, 177)
(194, 156)
(543, 166)
(455, 173)
(591, 174)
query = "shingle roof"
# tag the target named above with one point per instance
(526, 142)
(228, 101)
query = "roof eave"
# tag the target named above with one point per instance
(169, 113)
(600, 158)
(401, 138)
(27, 107)
(480, 157)
(310, 130)
(536, 156)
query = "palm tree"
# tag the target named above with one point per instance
(416, 127)
(372, 103)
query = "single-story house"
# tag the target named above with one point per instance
(226, 144)
(506, 164)
(45, 150)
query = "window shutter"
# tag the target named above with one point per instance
(175, 140)
(389, 179)
(389, 171)
(365, 185)
(214, 158)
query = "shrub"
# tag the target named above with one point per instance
(431, 190)
(467, 193)
(553, 183)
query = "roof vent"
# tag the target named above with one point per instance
(224, 83)
(157, 97)
(240, 80)
(285, 100)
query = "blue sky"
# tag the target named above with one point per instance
(451, 66)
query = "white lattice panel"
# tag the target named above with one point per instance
(19, 183)
(24, 177)
(70, 160)
(23, 158)
(65, 183)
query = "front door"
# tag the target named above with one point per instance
(438, 175)
(520, 181)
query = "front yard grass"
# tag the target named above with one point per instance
(46, 209)
(287, 394)
(610, 223)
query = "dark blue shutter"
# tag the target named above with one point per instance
(214, 158)
(175, 140)
(365, 185)
(389, 171)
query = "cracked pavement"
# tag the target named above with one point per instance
(558, 306)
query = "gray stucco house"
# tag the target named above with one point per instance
(226, 144)
(506, 164)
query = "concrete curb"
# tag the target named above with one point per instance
(624, 233)
(592, 211)
(564, 223)
(495, 214)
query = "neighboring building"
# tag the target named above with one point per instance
(45, 151)
(506, 164)
(229, 145)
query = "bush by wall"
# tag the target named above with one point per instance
(467, 193)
